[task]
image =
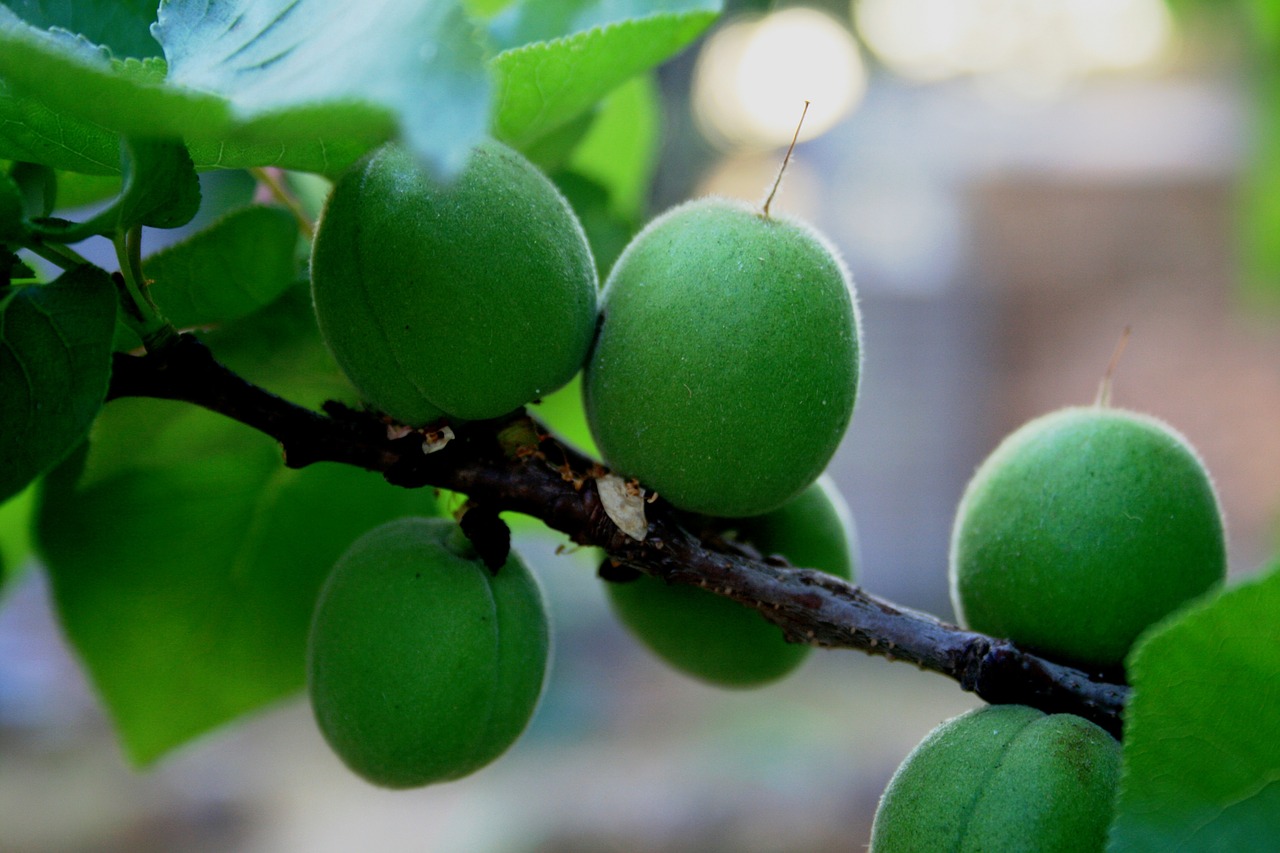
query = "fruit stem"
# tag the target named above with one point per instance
(270, 179)
(785, 160)
(141, 312)
(1103, 400)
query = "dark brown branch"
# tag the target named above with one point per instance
(511, 465)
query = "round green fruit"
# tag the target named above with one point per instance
(422, 665)
(718, 640)
(465, 299)
(726, 367)
(1084, 527)
(1002, 779)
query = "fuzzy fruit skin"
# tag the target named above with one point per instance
(1081, 529)
(467, 299)
(720, 641)
(1002, 779)
(422, 666)
(726, 367)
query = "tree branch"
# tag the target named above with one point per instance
(512, 464)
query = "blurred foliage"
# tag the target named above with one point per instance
(1255, 27)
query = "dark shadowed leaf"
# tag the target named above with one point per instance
(55, 361)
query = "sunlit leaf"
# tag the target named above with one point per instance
(545, 83)
(241, 263)
(1201, 760)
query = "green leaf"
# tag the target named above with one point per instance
(545, 83)
(620, 150)
(160, 185)
(185, 558)
(1201, 758)
(123, 26)
(15, 533)
(77, 190)
(238, 265)
(39, 187)
(302, 84)
(32, 132)
(13, 228)
(280, 349)
(160, 190)
(563, 413)
(552, 150)
(55, 362)
(543, 20)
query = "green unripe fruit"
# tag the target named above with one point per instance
(726, 367)
(719, 640)
(422, 665)
(1084, 527)
(1002, 779)
(465, 299)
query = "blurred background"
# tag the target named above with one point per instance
(1012, 183)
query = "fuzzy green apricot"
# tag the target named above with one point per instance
(726, 367)
(718, 640)
(1081, 529)
(423, 666)
(1002, 779)
(463, 299)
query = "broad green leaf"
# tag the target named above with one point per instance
(543, 84)
(15, 533)
(1201, 753)
(77, 190)
(185, 558)
(39, 187)
(552, 150)
(160, 189)
(55, 362)
(13, 228)
(160, 185)
(303, 370)
(620, 150)
(303, 84)
(238, 265)
(32, 132)
(123, 26)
